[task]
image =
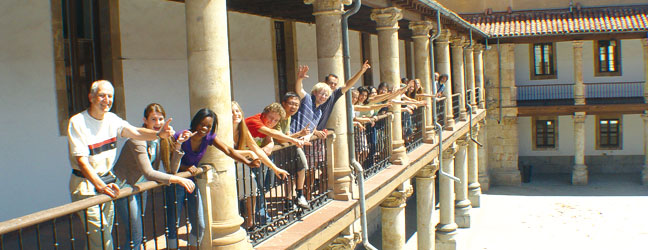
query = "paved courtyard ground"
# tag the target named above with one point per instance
(550, 213)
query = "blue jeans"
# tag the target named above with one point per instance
(177, 193)
(131, 220)
(260, 209)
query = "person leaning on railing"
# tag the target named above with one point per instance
(247, 182)
(204, 124)
(92, 141)
(138, 163)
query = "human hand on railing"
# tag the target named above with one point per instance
(320, 134)
(193, 170)
(303, 132)
(282, 174)
(359, 126)
(409, 110)
(184, 182)
(254, 163)
(111, 190)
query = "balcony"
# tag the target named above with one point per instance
(595, 93)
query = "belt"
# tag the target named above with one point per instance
(106, 178)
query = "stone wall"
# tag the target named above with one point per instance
(608, 164)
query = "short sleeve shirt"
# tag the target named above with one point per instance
(254, 123)
(327, 108)
(284, 126)
(192, 158)
(95, 139)
(307, 115)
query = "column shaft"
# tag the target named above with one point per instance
(421, 38)
(482, 165)
(645, 56)
(470, 77)
(393, 218)
(446, 230)
(474, 189)
(443, 66)
(479, 74)
(579, 87)
(644, 171)
(425, 205)
(579, 175)
(462, 204)
(328, 30)
(209, 86)
(387, 26)
(458, 83)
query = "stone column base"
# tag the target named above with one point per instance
(484, 182)
(474, 108)
(644, 175)
(446, 240)
(463, 116)
(449, 125)
(482, 105)
(462, 213)
(474, 194)
(506, 177)
(579, 175)
(429, 136)
(399, 155)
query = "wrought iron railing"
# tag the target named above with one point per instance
(413, 125)
(63, 227)
(478, 95)
(441, 109)
(468, 92)
(614, 90)
(545, 92)
(455, 105)
(373, 145)
(268, 203)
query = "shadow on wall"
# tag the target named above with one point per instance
(609, 164)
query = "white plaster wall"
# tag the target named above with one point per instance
(402, 58)
(355, 53)
(632, 137)
(251, 61)
(153, 38)
(632, 63)
(35, 158)
(375, 62)
(564, 65)
(307, 52)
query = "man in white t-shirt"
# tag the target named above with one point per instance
(92, 140)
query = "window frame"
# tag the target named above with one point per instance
(619, 133)
(534, 133)
(597, 58)
(552, 62)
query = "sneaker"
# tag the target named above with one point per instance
(301, 201)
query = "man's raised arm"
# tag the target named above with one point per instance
(356, 77)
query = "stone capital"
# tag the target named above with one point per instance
(396, 199)
(450, 151)
(644, 116)
(577, 44)
(386, 18)
(428, 170)
(458, 42)
(321, 7)
(420, 29)
(463, 141)
(444, 37)
(478, 48)
(579, 117)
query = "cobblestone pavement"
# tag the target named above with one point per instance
(549, 213)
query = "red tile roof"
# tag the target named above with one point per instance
(561, 21)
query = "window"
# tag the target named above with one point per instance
(545, 135)
(609, 133)
(86, 48)
(543, 61)
(284, 54)
(608, 61)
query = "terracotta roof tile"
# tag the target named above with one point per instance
(561, 21)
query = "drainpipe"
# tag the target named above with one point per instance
(349, 108)
(499, 79)
(437, 125)
(468, 106)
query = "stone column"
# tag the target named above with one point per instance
(425, 205)
(446, 230)
(393, 218)
(482, 156)
(209, 86)
(644, 171)
(579, 87)
(421, 37)
(579, 174)
(387, 25)
(478, 52)
(442, 61)
(474, 189)
(470, 77)
(645, 56)
(458, 77)
(462, 204)
(328, 28)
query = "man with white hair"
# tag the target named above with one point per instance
(92, 141)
